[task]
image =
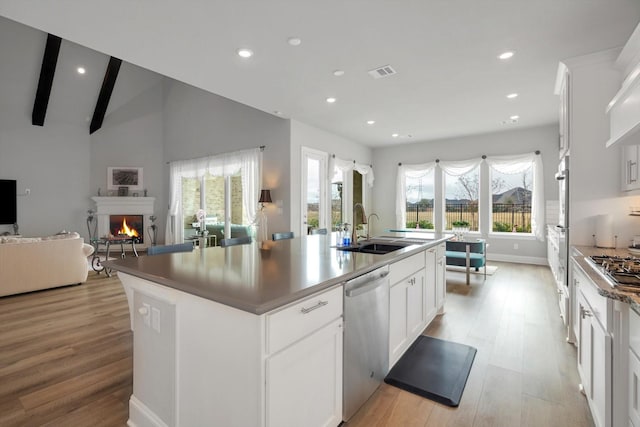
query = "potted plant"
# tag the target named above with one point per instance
(460, 227)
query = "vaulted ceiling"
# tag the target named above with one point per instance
(449, 81)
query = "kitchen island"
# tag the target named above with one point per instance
(252, 335)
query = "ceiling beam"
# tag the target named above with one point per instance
(47, 71)
(106, 90)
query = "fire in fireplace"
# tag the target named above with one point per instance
(127, 225)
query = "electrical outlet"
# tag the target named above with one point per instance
(145, 312)
(515, 246)
(155, 319)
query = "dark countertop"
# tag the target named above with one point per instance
(261, 277)
(605, 287)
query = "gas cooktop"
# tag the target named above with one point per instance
(622, 271)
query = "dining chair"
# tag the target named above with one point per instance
(178, 247)
(235, 241)
(318, 231)
(282, 236)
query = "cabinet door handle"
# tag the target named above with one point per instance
(633, 171)
(586, 313)
(310, 309)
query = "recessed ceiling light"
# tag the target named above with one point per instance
(395, 135)
(338, 73)
(331, 100)
(245, 53)
(370, 122)
(81, 70)
(512, 95)
(505, 55)
(514, 117)
(294, 41)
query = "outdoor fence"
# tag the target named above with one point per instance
(507, 217)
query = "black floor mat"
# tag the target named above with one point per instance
(435, 369)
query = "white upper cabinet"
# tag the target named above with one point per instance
(624, 108)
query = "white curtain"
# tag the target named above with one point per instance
(246, 162)
(459, 167)
(411, 171)
(517, 164)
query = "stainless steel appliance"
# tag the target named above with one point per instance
(564, 292)
(623, 273)
(366, 338)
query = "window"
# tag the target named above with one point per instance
(337, 199)
(225, 186)
(511, 195)
(505, 193)
(461, 195)
(419, 195)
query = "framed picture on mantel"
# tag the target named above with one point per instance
(118, 177)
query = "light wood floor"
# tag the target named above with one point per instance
(66, 357)
(524, 373)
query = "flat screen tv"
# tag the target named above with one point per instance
(8, 201)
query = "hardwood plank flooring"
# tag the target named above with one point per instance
(66, 357)
(524, 373)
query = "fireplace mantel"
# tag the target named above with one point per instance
(106, 206)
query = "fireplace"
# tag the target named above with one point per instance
(137, 211)
(127, 225)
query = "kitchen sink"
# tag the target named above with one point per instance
(373, 248)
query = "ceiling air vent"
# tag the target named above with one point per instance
(380, 72)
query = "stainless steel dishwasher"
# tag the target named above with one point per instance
(366, 338)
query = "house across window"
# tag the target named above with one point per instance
(461, 199)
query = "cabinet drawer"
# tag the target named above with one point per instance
(598, 304)
(634, 332)
(302, 318)
(403, 268)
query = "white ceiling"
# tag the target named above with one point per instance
(448, 83)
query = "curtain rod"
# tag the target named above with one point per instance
(484, 156)
(262, 147)
(354, 162)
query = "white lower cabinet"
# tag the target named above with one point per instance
(441, 285)
(304, 381)
(634, 368)
(202, 363)
(407, 310)
(634, 389)
(594, 363)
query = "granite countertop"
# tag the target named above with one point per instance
(261, 277)
(605, 288)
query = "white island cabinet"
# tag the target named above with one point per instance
(407, 311)
(202, 363)
(417, 294)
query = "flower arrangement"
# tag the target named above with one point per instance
(459, 228)
(200, 216)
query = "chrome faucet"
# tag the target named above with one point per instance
(369, 224)
(363, 220)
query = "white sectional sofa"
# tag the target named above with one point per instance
(30, 264)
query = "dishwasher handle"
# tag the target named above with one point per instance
(365, 284)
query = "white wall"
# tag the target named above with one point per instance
(303, 135)
(544, 138)
(198, 123)
(595, 171)
(52, 161)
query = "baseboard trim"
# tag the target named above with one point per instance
(141, 416)
(518, 259)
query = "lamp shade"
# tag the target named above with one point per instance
(265, 196)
